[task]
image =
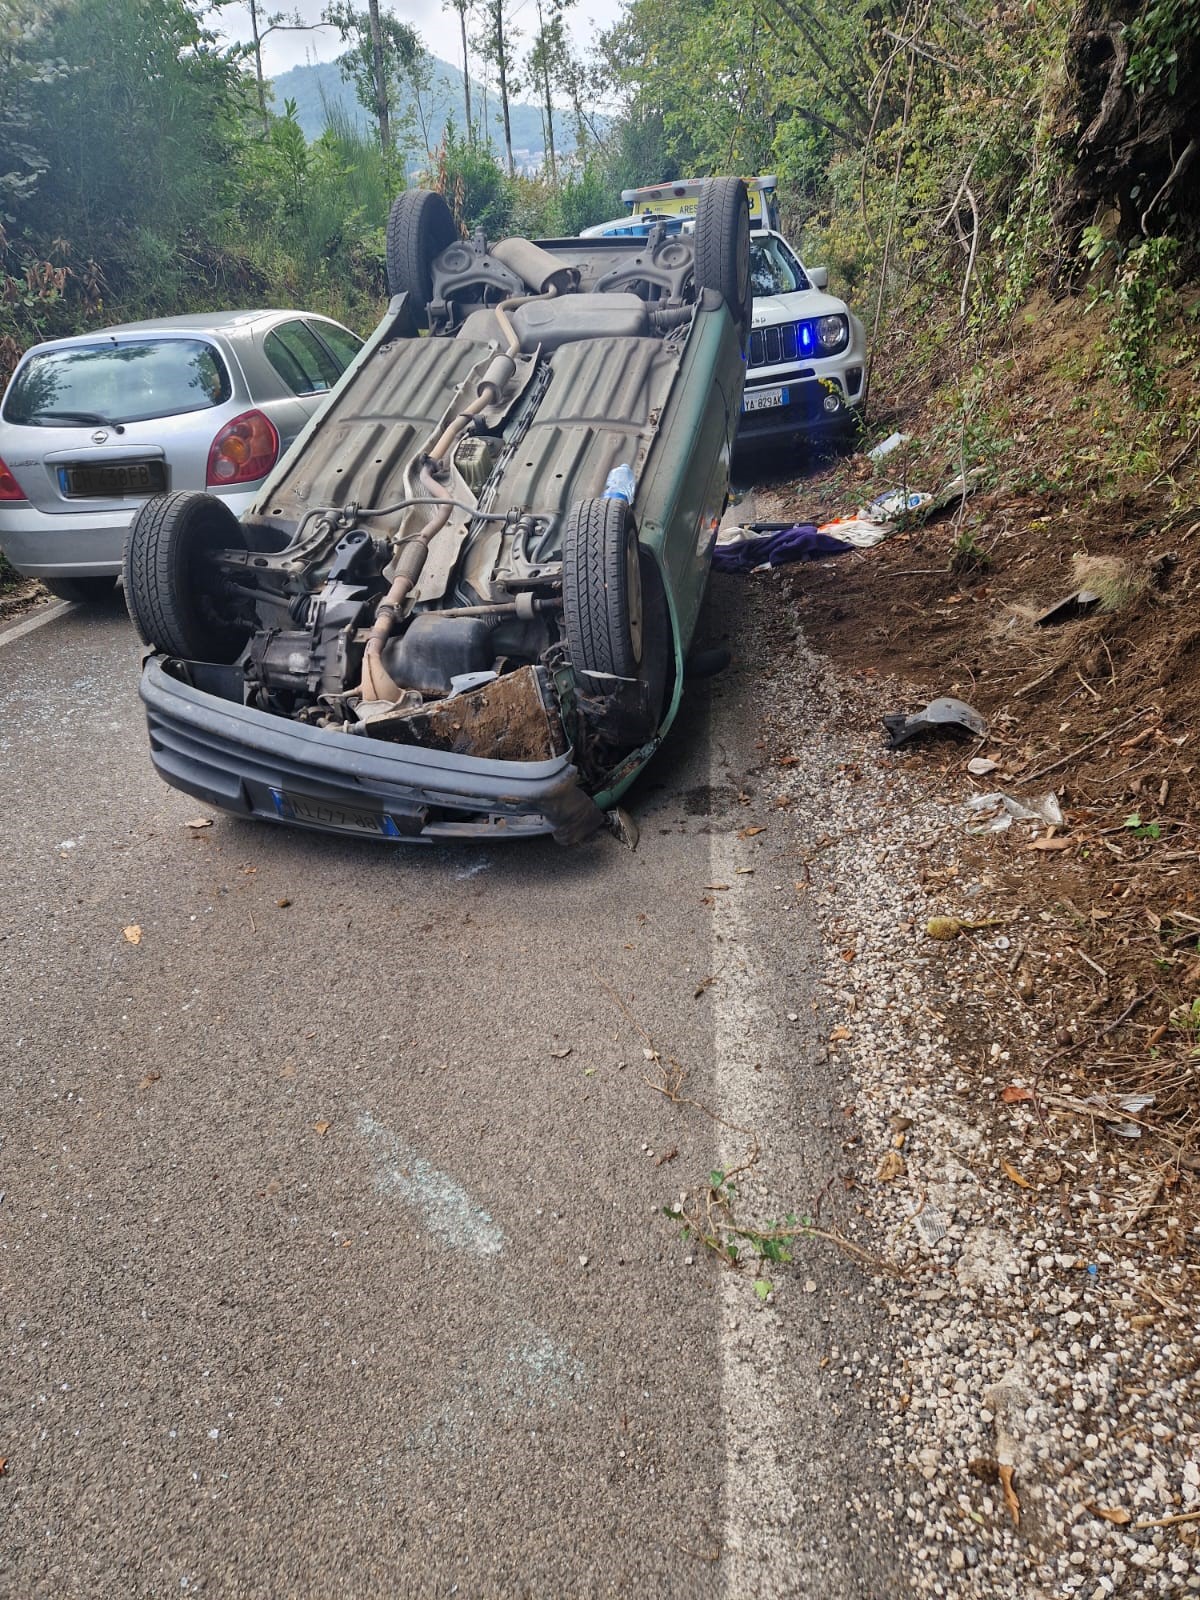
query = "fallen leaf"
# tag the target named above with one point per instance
(704, 984)
(892, 1166)
(763, 1287)
(282, 904)
(3, 1466)
(1050, 844)
(199, 822)
(133, 934)
(744, 872)
(1010, 1494)
(749, 833)
(849, 955)
(1117, 1514)
(322, 1128)
(561, 1055)
(151, 1077)
(716, 886)
(788, 761)
(1013, 1176)
(1014, 1092)
(840, 1032)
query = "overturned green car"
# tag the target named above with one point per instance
(462, 602)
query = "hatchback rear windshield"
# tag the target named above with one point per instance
(109, 382)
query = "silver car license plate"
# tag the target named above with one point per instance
(90, 480)
(764, 399)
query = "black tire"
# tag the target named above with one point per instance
(419, 228)
(175, 595)
(602, 588)
(722, 246)
(83, 591)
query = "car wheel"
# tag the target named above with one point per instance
(602, 588)
(722, 246)
(419, 228)
(83, 591)
(175, 595)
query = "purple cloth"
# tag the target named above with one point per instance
(801, 543)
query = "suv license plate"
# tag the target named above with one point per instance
(764, 399)
(95, 479)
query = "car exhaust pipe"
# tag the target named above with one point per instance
(537, 267)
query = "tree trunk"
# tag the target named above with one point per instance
(547, 101)
(462, 22)
(258, 71)
(502, 73)
(381, 95)
(1130, 147)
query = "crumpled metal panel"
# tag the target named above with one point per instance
(368, 435)
(602, 407)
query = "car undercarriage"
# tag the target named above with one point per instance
(442, 562)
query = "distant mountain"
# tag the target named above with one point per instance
(315, 87)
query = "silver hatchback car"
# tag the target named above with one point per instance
(91, 426)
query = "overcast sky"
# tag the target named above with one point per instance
(438, 28)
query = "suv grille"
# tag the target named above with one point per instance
(770, 346)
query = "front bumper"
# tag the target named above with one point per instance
(77, 543)
(256, 764)
(805, 411)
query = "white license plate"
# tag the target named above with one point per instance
(764, 399)
(329, 814)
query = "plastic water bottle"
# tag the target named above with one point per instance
(621, 484)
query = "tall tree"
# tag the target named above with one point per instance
(498, 42)
(463, 8)
(547, 58)
(383, 55)
(277, 21)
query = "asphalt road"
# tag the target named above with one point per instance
(332, 1254)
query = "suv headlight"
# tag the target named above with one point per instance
(832, 333)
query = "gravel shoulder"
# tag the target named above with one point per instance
(1037, 1431)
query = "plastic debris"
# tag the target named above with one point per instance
(858, 531)
(998, 811)
(930, 1223)
(1069, 609)
(895, 504)
(886, 446)
(944, 715)
(621, 484)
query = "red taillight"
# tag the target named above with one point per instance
(243, 451)
(10, 489)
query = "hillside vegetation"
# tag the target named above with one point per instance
(319, 89)
(996, 184)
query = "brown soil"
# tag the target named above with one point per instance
(1104, 710)
(22, 595)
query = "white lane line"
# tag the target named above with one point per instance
(13, 631)
(762, 1558)
(446, 1208)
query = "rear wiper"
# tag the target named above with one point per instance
(75, 416)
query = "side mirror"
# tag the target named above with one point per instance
(818, 277)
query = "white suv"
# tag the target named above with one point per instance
(806, 376)
(807, 369)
